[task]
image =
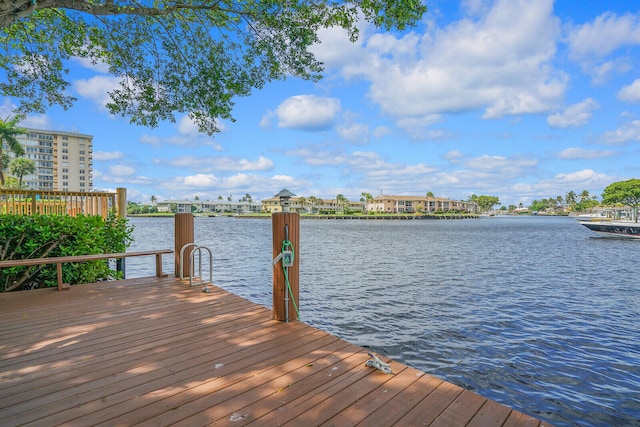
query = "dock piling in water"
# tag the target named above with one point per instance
(286, 232)
(184, 234)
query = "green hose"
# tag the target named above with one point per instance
(285, 245)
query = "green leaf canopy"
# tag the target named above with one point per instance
(192, 56)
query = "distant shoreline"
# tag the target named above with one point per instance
(377, 217)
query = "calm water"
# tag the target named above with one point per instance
(532, 312)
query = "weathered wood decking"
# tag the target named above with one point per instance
(154, 351)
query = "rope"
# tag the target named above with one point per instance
(285, 245)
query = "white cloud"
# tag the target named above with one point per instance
(624, 134)
(336, 51)
(36, 121)
(7, 108)
(107, 155)
(200, 180)
(308, 112)
(454, 156)
(219, 163)
(578, 153)
(498, 61)
(501, 165)
(150, 139)
(574, 115)
(97, 88)
(121, 171)
(381, 131)
(99, 67)
(119, 176)
(357, 133)
(592, 44)
(581, 179)
(185, 137)
(416, 127)
(209, 186)
(630, 93)
(186, 126)
(603, 36)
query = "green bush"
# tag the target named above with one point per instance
(24, 237)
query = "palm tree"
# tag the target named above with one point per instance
(313, 200)
(20, 167)
(366, 198)
(429, 195)
(8, 132)
(341, 201)
(571, 199)
(584, 196)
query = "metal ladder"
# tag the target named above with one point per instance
(192, 260)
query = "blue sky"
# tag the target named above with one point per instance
(517, 99)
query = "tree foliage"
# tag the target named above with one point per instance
(138, 209)
(574, 202)
(42, 236)
(20, 167)
(485, 203)
(624, 192)
(8, 132)
(342, 203)
(192, 56)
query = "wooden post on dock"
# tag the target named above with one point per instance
(284, 223)
(121, 212)
(184, 234)
(121, 202)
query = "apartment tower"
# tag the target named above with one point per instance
(63, 160)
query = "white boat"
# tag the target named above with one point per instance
(614, 228)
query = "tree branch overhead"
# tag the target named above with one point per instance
(192, 57)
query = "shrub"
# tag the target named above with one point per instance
(43, 236)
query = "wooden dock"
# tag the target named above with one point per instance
(154, 351)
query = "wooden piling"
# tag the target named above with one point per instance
(280, 223)
(121, 212)
(184, 234)
(121, 202)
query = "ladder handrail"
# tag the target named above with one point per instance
(198, 249)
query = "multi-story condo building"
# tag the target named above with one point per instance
(412, 204)
(311, 205)
(380, 204)
(63, 160)
(208, 206)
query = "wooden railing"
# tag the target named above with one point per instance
(39, 202)
(82, 258)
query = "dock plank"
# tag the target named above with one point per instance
(154, 352)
